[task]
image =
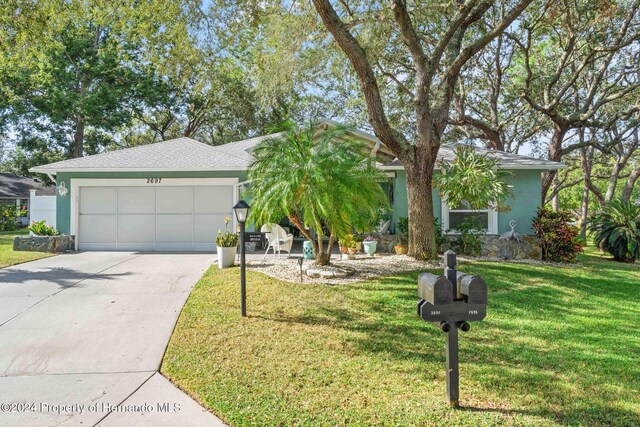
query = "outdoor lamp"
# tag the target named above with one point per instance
(241, 210)
(62, 189)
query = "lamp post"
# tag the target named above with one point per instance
(241, 209)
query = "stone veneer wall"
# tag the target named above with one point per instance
(52, 244)
(493, 246)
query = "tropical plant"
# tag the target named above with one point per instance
(469, 239)
(40, 228)
(9, 217)
(473, 178)
(227, 239)
(616, 230)
(560, 241)
(316, 176)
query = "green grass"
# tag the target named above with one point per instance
(560, 346)
(9, 257)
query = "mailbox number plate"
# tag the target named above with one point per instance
(459, 310)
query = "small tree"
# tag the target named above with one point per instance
(473, 178)
(616, 229)
(317, 178)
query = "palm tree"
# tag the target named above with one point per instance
(316, 177)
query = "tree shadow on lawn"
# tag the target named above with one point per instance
(561, 339)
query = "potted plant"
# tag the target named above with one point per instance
(403, 228)
(227, 244)
(370, 245)
(353, 247)
(345, 242)
(357, 242)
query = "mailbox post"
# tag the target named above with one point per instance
(452, 300)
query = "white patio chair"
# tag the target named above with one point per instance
(278, 239)
(384, 228)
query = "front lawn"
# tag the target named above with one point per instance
(9, 257)
(560, 346)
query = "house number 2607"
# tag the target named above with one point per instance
(154, 180)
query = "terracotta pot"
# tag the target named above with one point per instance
(353, 251)
(401, 249)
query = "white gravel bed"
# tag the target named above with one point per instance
(366, 267)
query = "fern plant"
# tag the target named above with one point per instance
(616, 230)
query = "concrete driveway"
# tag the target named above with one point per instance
(82, 337)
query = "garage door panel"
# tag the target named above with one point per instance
(174, 200)
(204, 247)
(206, 227)
(136, 229)
(136, 200)
(98, 229)
(152, 218)
(145, 247)
(174, 228)
(97, 200)
(213, 200)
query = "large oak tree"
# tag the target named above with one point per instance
(431, 42)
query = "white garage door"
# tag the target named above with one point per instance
(172, 218)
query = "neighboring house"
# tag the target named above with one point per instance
(14, 191)
(174, 195)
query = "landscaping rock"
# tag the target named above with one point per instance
(52, 244)
(528, 248)
(313, 273)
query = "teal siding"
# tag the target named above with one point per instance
(524, 203)
(526, 188)
(400, 204)
(63, 204)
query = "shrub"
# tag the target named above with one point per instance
(559, 240)
(9, 217)
(40, 228)
(441, 239)
(469, 239)
(616, 229)
(403, 226)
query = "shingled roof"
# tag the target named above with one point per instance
(506, 160)
(14, 186)
(186, 154)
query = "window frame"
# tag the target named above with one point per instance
(492, 218)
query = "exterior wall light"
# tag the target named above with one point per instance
(62, 189)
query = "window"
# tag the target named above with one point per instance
(482, 219)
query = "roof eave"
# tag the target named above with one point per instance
(506, 167)
(89, 170)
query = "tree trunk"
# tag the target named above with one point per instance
(555, 199)
(422, 243)
(584, 212)
(613, 181)
(555, 154)
(631, 182)
(78, 137)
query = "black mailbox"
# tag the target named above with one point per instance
(472, 288)
(452, 301)
(434, 289)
